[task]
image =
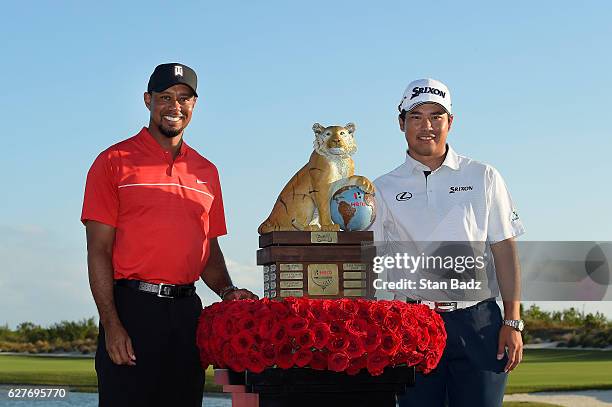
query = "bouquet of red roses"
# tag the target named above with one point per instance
(343, 335)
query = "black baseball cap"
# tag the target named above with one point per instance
(166, 75)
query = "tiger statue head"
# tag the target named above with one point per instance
(335, 142)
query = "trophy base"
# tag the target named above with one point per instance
(324, 265)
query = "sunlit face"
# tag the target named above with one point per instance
(426, 128)
(171, 109)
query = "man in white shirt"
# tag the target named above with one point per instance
(437, 195)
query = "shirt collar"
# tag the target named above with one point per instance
(150, 142)
(451, 161)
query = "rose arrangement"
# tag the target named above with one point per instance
(343, 335)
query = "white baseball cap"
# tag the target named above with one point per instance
(426, 91)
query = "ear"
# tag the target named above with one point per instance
(401, 123)
(450, 121)
(350, 127)
(318, 129)
(147, 100)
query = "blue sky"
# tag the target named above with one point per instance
(530, 82)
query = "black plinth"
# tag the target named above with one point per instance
(308, 387)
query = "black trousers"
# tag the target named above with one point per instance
(469, 374)
(163, 334)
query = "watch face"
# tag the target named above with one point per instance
(521, 325)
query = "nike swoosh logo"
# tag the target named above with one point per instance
(201, 182)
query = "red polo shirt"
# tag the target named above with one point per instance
(164, 211)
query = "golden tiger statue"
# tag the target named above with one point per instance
(304, 203)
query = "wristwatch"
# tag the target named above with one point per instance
(227, 290)
(517, 324)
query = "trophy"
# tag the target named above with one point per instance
(302, 250)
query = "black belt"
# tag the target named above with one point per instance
(161, 290)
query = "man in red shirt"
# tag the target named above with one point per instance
(153, 211)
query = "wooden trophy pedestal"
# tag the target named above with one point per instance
(307, 387)
(323, 265)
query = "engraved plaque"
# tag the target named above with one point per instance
(292, 284)
(292, 267)
(266, 277)
(272, 268)
(291, 293)
(267, 286)
(353, 275)
(354, 284)
(354, 292)
(273, 294)
(272, 285)
(354, 266)
(323, 279)
(292, 276)
(323, 237)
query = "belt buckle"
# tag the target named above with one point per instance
(448, 306)
(161, 288)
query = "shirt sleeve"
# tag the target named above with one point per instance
(216, 216)
(101, 201)
(503, 218)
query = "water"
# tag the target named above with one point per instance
(89, 400)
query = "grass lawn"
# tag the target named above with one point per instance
(553, 369)
(527, 404)
(541, 370)
(77, 373)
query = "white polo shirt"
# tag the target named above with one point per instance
(462, 200)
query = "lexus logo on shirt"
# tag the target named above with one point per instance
(403, 196)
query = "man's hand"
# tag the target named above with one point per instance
(240, 294)
(510, 338)
(119, 345)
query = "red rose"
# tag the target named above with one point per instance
(408, 341)
(356, 364)
(349, 307)
(268, 353)
(338, 361)
(316, 310)
(333, 309)
(378, 312)
(223, 325)
(254, 362)
(355, 347)
(284, 357)
(296, 325)
(377, 361)
(301, 307)
(266, 325)
(357, 327)
(338, 342)
(390, 343)
(392, 321)
(242, 342)
(321, 333)
(422, 339)
(372, 338)
(364, 308)
(413, 358)
(248, 323)
(319, 360)
(232, 358)
(279, 334)
(337, 326)
(278, 308)
(305, 338)
(302, 357)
